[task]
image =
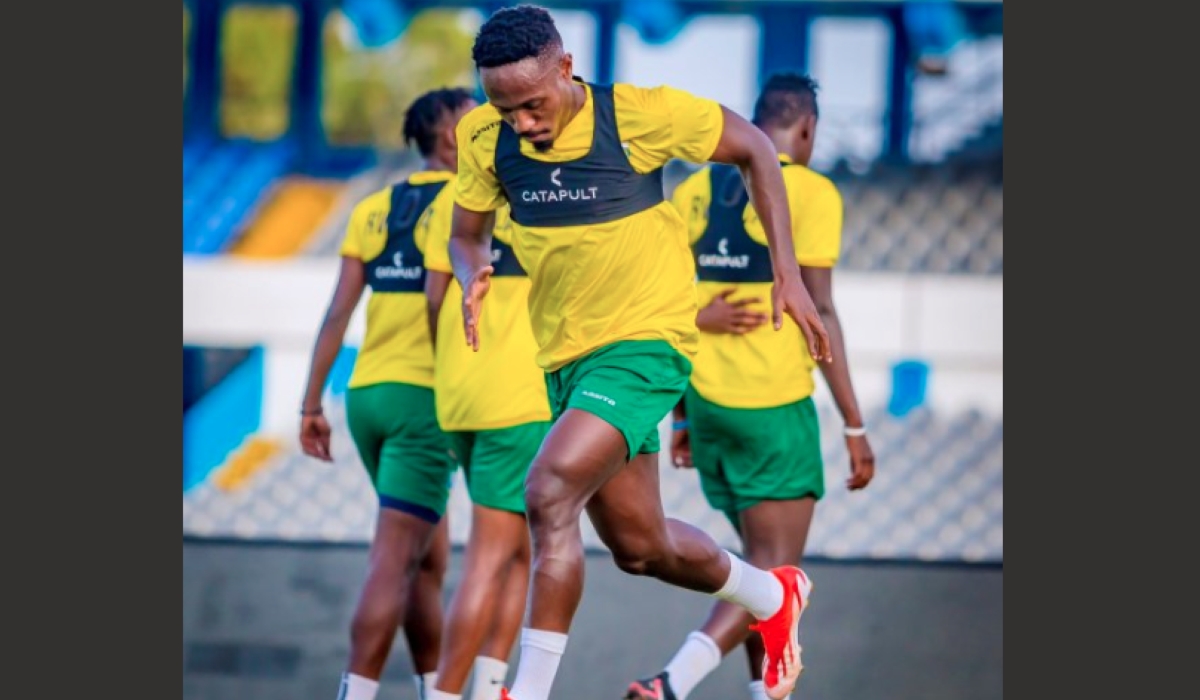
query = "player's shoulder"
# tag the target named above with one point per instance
(631, 95)
(378, 200)
(483, 121)
(810, 180)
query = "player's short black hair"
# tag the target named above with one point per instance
(421, 119)
(784, 98)
(513, 34)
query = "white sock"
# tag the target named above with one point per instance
(698, 657)
(432, 693)
(424, 683)
(487, 678)
(756, 590)
(357, 688)
(540, 653)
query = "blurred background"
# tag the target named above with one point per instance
(293, 111)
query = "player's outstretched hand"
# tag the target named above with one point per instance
(477, 288)
(789, 296)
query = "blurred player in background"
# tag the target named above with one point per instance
(613, 308)
(493, 405)
(390, 405)
(747, 422)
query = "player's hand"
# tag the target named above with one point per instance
(723, 316)
(789, 295)
(862, 462)
(314, 437)
(681, 449)
(472, 305)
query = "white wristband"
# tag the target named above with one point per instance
(854, 432)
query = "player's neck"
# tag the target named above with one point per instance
(783, 143)
(578, 99)
(437, 163)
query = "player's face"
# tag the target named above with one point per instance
(534, 96)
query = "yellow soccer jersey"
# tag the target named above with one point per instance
(501, 385)
(765, 367)
(396, 346)
(632, 278)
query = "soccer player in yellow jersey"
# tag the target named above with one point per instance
(493, 405)
(747, 422)
(390, 405)
(613, 309)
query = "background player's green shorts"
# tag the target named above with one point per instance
(749, 455)
(495, 463)
(631, 384)
(406, 454)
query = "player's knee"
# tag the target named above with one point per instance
(548, 501)
(638, 566)
(635, 555)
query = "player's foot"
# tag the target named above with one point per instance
(656, 688)
(781, 634)
(504, 694)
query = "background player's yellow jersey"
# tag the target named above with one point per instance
(501, 385)
(765, 367)
(383, 233)
(631, 278)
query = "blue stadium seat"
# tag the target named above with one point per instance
(226, 189)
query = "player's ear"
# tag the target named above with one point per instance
(566, 66)
(808, 127)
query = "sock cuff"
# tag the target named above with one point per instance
(735, 575)
(354, 685)
(757, 685)
(707, 642)
(553, 642)
(487, 662)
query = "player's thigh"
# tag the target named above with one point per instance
(631, 385)
(367, 417)
(415, 466)
(776, 455)
(499, 462)
(706, 462)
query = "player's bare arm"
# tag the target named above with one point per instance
(746, 146)
(436, 284)
(819, 281)
(471, 256)
(314, 428)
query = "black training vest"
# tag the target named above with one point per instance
(401, 266)
(504, 260)
(726, 252)
(600, 187)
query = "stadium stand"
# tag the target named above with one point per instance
(223, 182)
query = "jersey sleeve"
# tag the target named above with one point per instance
(661, 123)
(476, 187)
(369, 215)
(817, 225)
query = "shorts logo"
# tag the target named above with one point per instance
(600, 397)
